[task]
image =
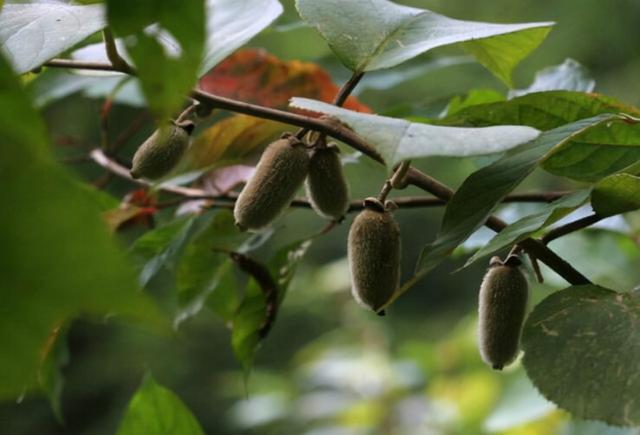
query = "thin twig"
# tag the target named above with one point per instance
(536, 268)
(112, 53)
(340, 97)
(332, 129)
(571, 227)
(395, 179)
(78, 64)
(227, 201)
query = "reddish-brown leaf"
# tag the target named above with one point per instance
(137, 208)
(257, 77)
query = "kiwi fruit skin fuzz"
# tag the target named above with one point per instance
(282, 168)
(326, 185)
(503, 297)
(374, 257)
(162, 151)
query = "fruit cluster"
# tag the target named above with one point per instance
(374, 237)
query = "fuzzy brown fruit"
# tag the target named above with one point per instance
(327, 188)
(279, 174)
(374, 255)
(162, 151)
(502, 306)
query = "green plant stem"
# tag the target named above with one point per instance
(112, 53)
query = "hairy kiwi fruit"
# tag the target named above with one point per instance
(326, 186)
(162, 151)
(502, 306)
(374, 255)
(279, 174)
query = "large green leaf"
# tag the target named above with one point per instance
(231, 23)
(166, 75)
(398, 139)
(367, 35)
(597, 153)
(479, 194)
(528, 225)
(156, 410)
(57, 258)
(582, 347)
(31, 34)
(541, 110)
(570, 75)
(618, 193)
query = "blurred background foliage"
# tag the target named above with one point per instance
(330, 367)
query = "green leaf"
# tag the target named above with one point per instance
(479, 194)
(570, 75)
(578, 427)
(501, 54)
(398, 140)
(58, 259)
(582, 346)
(541, 110)
(156, 410)
(247, 321)
(162, 246)
(50, 376)
(367, 35)
(284, 263)
(597, 153)
(223, 299)
(526, 226)
(474, 98)
(615, 194)
(31, 34)
(253, 313)
(231, 23)
(166, 75)
(202, 268)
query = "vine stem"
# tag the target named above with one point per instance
(396, 179)
(99, 157)
(571, 227)
(114, 57)
(340, 97)
(344, 134)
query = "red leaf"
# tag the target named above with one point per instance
(257, 77)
